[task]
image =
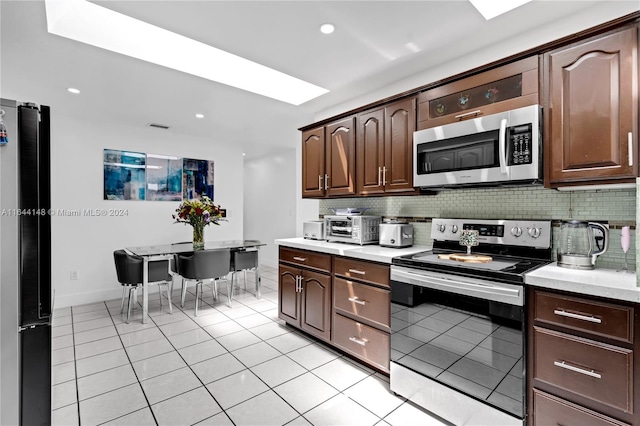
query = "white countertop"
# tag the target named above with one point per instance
(367, 252)
(600, 282)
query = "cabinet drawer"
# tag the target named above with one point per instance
(598, 318)
(601, 372)
(364, 301)
(550, 410)
(310, 259)
(374, 273)
(364, 342)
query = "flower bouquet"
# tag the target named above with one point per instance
(198, 214)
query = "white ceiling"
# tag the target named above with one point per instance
(368, 50)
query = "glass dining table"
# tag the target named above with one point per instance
(167, 251)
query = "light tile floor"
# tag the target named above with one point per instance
(227, 366)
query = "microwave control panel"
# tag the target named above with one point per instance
(519, 147)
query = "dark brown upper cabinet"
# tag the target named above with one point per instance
(313, 162)
(328, 160)
(510, 86)
(340, 166)
(591, 120)
(384, 149)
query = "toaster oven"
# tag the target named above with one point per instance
(352, 229)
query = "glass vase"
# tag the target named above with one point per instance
(198, 237)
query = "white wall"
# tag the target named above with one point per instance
(86, 244)
(270, 204)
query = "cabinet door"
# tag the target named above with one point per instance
(400, 123)
(288, 303)
(341, 158)
(508, 87)
(370, 152)
(593, 110)
(316, 305)
(313, 162)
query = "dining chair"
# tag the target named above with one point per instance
(130, 276)
(204, 265)
(243, 261)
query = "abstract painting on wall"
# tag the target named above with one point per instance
(164, 178)
(197, 179)
(124, 175)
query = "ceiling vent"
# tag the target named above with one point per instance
(158, 126)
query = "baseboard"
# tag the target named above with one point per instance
(76, 299)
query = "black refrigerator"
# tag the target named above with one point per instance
(25, 265)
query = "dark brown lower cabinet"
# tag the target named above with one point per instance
(583, 360)
(551, 410)
(305, 300)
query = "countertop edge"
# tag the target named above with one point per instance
(374, 253)
(586, 283)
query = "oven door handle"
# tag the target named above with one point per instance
(475, 288)
(502, 146)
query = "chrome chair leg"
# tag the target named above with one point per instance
(258, 282)
(198, 295)
(133, 298)
(184, 292)
(229, 291)
(169, 293)
(124, 291)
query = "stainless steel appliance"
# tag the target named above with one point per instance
(313, 230)
(25, 266)
(458, 327)
(577, 244)
(352, 229)
(503, 148)
(396, 234)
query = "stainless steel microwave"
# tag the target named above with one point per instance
(498, 149)
(352, 229)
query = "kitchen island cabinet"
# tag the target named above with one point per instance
(591, 120)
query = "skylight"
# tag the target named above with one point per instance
(89, 23)
(492, 8)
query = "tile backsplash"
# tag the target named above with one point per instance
(615, 207)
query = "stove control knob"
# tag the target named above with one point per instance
(534, 232)
(454, 228)
(442, 228)
(516, 231)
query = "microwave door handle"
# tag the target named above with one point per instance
(502, 146)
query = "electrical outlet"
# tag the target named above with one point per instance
(73, 275)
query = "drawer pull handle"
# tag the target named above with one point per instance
(589, 373)
(361, 342)
(467, 114)
(356, 300)
(299, 259)
(356, 271)
(577, 316)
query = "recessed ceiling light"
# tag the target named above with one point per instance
(327, 28)
(72, 90)
(199, 116)
(492, 8)
(92, 24)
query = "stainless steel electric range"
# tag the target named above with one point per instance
(458, 322)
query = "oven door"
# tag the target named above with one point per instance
(458, 346)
